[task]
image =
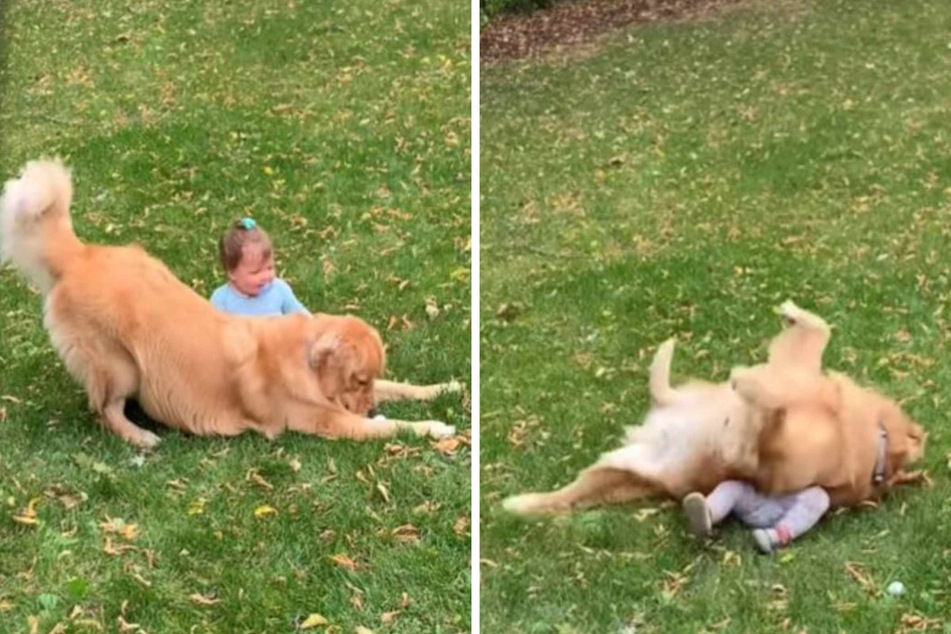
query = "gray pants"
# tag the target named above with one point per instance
(791, 514)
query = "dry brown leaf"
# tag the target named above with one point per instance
(407, 533)
(202, 599)
(125, 626)
(858, 572)
(256, 478)
(362, 630)
(918, 623)
(643, 514)
(427, 507)
(673, 584)
(405, 601)
(119, 527)
(394, 449)
(461, 526)
(344, 561)
(113, 549)
(295, 465)
(388, 618)
(28, 516)
(179, 484)
(447, 446)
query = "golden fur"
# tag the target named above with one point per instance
(783, 425)
(125, 326)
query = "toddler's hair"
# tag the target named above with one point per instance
(242, 232)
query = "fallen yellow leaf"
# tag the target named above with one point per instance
(264, 510)
(25, 520)
(312, 621)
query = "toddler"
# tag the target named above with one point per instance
(776, 519)
(247, 258)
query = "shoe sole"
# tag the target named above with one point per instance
(695, 508)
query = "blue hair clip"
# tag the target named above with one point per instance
(248, 224)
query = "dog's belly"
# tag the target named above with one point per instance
(682, 447)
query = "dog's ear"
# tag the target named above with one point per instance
(325, 358)
(322, 350)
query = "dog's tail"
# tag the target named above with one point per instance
(661, 391)
(36, 232)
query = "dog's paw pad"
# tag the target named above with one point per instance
(441, 430)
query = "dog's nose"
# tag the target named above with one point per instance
(373, 412)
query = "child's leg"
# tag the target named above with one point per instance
(705, 512)
(808, 507)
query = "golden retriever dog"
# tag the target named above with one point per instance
(126, 327)
(783, 425)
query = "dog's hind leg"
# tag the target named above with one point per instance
(776, 388)
(105, 369)
(801, 345)
(595, 485)
(392, 391)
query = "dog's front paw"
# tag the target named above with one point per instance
(743, 381)
(436, 429)
(147, 441)
(452, 387)
(737, 374)
(789, 312)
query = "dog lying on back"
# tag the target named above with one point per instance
(125, 327)
(783, 425)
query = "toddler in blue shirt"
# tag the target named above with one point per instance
(252, 289)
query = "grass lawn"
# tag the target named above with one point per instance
(683, 179)
(344, 129)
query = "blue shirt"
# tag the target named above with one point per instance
(276, 298)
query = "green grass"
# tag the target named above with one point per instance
(682, 179)
(344, 129)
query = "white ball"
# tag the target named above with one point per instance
(379, 417)
(895, 588)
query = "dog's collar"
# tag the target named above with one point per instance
(881, 455)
